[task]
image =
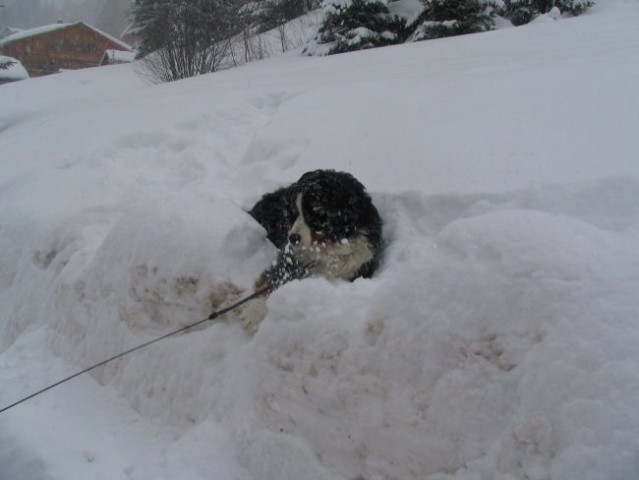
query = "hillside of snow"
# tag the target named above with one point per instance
(498, 341)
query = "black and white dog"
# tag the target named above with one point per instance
(323, 224)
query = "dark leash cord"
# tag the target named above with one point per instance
(283, 270)
(213, 316)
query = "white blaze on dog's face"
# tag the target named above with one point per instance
(300, 227)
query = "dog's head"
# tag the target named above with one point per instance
(329, 207)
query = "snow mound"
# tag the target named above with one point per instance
(497, 340)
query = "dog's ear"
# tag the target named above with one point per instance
(276, 214)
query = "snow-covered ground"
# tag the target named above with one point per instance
(499, 340)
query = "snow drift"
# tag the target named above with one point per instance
(497, 341)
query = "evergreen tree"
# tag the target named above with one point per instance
(153, 19)
(358, 24)
(268, 14)
(443, 18)
(520, 12)
(574, 7)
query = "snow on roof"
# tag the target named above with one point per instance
(15, 71)
(9, 31)
(119, 56)
(32, 32)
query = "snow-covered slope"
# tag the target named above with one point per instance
(498, 340)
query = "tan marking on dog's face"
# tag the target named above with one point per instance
(318, 236)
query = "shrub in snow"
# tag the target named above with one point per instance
(443, 18)
(350, 25)
(6, 62)
(11, 70)
(183, 39)
(520, 12)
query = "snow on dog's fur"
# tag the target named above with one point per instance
(324, 224)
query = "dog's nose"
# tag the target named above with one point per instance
(294, 239)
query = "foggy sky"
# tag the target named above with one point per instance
(111, 16)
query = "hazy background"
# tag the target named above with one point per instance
(110, 16)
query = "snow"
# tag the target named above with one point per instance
(32, 32)
(408, 9)
(14, 72)
(118, 56)
(497, 341)
(22, 34)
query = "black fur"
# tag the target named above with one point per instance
(333, 202)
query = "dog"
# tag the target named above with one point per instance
(325, 224)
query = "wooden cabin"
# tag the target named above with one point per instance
(61, 46)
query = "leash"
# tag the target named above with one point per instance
(284, 269)
(213, 316)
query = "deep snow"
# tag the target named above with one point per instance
(498, 340)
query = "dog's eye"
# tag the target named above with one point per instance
(319, 221)
(318, 212)
(320, 227)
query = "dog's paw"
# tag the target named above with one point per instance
(252, 315)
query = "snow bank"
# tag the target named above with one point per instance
(488, 347)
(11, 70)
(497, 341)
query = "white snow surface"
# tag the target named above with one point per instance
(498, 340)
(14, 72)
